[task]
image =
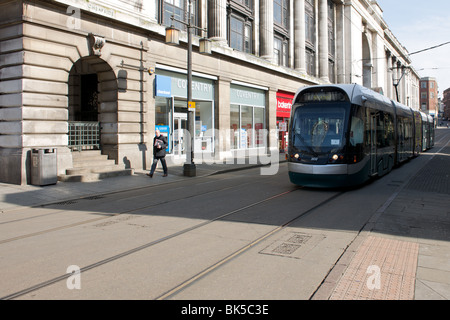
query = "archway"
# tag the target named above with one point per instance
(93, 94)
(366, 61)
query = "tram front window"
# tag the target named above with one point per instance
(319, 129)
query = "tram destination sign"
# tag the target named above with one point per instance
(323, 96)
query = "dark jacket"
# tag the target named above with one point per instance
(159, 146)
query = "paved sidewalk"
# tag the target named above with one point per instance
(403, 253)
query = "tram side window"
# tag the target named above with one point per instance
(357, 128)
(380, 130)
(390, 130)
(385, 130)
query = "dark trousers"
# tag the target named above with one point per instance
(155, 162)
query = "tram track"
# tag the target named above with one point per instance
(179, 233)
(106, 216)
(182, 285)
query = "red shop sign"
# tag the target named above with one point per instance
(284, 104)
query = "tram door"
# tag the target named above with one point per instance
(179, 129)
(373, 144)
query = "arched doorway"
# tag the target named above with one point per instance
(367, 64)
(93, 94)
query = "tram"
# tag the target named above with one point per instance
(343, 135)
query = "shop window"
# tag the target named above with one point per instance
(247, 127)
(235, 125)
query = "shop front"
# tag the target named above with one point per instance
(284, 105)
(171, 110)
(247, 117)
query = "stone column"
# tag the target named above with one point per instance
(340, 43)
(389, 75)
(323, 40)
(266, 29)
(222, 118)
(299, 36)
(217, 22)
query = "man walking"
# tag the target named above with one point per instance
(159, 152)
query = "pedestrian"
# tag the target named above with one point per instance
(159, 152)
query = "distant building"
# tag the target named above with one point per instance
(446, 102)
(429, 100)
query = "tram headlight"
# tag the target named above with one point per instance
(297, 156)
(336, 158)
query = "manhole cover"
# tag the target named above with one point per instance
(299, 238)
(293, 244)
(286, 248)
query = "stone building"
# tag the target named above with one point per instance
(429, 96)
(446, 102)
(78, 75)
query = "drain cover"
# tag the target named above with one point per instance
(293, 244)
(286, 248)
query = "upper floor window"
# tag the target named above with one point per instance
(240, 34)
(281, 51)
(179, 10)
(281, 13)
(310, 20)
(240, 25)
(331, 29)
(246, 3)
(310, 28)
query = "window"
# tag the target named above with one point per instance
(281, 52)
(310, 21)
(423, 85)
(331, 42)
(281, 13)
(178, 9)
(246, 3)
(237, 34)
(240, 26)
(281, 30)
(247, 126)
(331, 29)
(310, 62)
(310, 28)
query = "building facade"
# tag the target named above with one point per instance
(104, 66)
(446, 103)
(429, 96)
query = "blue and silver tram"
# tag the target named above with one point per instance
(342, 135)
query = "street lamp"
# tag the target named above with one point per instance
(172, 38)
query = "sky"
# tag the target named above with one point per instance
(419, 25)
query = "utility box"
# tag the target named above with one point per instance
(43, 167)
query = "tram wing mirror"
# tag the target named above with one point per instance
(364, 99)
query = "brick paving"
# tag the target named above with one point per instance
(382, 269)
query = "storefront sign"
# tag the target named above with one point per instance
(163, 86)
(247, 96)
(284, 104)
(202, 89)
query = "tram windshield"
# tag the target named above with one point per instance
(319, 129)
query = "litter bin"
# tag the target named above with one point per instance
(43, 167)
